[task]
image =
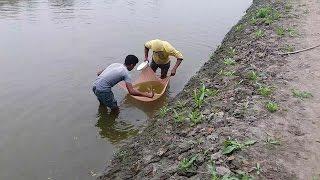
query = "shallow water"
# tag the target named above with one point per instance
(150, 86)
(51, 124)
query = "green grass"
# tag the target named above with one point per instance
(199, 95)
(292, 32)
(231, 52)
(265, 91)
(259, 33)
(272, 106)
(288, 48)
(187, 163)
(229, 61)
(230, 146)
(178, 117)
(253, 75)
(288, 7)
(239, 28)
(195, 117)
(280, 31)
(213, 171)
(180, 105)
(271, 141)
(266, 15)
(227, 73)
(301, 94)
(163, 111)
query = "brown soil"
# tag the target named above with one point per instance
(287, 140)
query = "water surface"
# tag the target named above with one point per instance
(51, 124)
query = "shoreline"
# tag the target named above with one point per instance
(236, 129)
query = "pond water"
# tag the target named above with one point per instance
(51, 124)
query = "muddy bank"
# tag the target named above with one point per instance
(235, 126)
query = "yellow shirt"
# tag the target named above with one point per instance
(162, 50)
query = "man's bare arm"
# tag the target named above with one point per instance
(135, 92)
(174, 69)
(99, 72)
(146, 53)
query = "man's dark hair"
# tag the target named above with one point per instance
(131, 59)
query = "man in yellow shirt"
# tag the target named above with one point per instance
(160, 57)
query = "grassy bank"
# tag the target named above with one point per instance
(218, 127)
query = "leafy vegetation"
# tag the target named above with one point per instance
(272, 141)
(231, 52)
(178, 117)
(265, 91)
(280, 31)
(292, 32)
(198, 96)
(232, 145)
(239, 28)
(163, 111)
(266, 15)
(195, 117)
(229, 61)
(253, 75)
(288, 48)
(272, 106)
(259, 33)
(187, 163)
(301, 94)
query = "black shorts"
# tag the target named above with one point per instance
(164, 68)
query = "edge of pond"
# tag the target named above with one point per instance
(237, 112)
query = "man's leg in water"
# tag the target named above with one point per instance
(107, 99)
(164, 69)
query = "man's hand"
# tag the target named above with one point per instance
(173, 72)
(150, 94)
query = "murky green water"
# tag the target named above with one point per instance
(51, 124)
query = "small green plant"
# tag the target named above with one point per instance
(288, 7)
(258, 169)
(195, 117)
(230, 146)
(280, 31)
(180, 105)
(265, 91)
(198, 96)
(272, 141)
(239, 28)
(259, 33)
(272, 106)
(288, 48)
(253, 20)
(187, 163)
(229, 61)
(178, 117)
(231, 52)
(292, 32)
(264, 12)
(213, 171)
(253, 75)
(227, 73)
(266, 15)
(301, 94)
(163, 111)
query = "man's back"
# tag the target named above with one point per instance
(113, 74)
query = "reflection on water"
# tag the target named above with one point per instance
(149, 108)
(111, 128)
(64, 42)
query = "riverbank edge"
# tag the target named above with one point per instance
(237, 112)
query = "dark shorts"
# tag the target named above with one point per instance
(164, 68)
(106, 98)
